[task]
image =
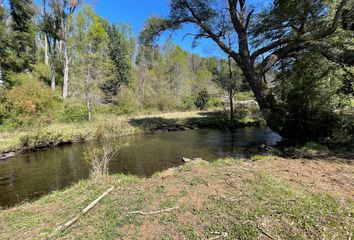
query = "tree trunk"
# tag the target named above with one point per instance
(231, 92)
(255, 80)
(52, 75)
(66, 71)
(1, 76)
(52, 50)
(232, 117)
(87, 94)
(46, 56)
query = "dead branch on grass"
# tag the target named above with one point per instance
(155, 212)
(85, 210)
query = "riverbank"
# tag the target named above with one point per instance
(267, 198)
(13, 141)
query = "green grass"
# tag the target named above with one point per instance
(224, 197)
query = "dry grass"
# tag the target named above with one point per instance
(285, 199)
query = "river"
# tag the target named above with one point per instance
(30, 175)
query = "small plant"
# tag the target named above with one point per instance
(99, 159)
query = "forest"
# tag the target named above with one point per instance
(253, 140)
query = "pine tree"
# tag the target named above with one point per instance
(23, 33)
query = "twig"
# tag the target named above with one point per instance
(155, 212)
(85, 210)
(220, 235)
(265, 233)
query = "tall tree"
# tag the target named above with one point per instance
(51, 28)
(23, 33)
(91, 65)
(120, 52)
(3, 40)
(276, 33)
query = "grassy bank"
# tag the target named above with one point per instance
(107, 126)
(268, 198)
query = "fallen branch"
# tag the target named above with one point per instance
(265, 233)
(155, 212)
(85, 210)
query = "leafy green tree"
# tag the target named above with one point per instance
(91, 66)
(265, 37)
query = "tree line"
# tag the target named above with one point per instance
(61, 55)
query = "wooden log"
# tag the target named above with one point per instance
(155, 212)
(84, 211)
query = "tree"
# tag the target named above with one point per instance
(229, 78)
(58, 29)
(65, 10)
(51, 28)
(23, 34)
(276, 34)
(120, 52)
(3, 39)
(91, 66)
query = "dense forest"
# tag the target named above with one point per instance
(61, 62)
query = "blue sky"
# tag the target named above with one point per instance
(135, 12)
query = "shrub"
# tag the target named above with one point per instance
(99, 159)
(73, 113)
(159, 102)
(126, 101)
(188, 103)
(42, 72)
(165, 104)
(30, 102)
(202, 99)
(215, 102)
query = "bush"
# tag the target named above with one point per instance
(99, 159)
(187, 103)
(126, 101)
(215, 102)
(30, 102)
(42, 72)
(159, 102)
(73, 113)
(165, 104)
(202, 99)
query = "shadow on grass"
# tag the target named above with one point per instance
(211, 119)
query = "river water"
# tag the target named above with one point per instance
(30, 175)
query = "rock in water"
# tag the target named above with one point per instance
(186, 159)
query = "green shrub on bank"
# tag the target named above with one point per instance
(214, 102)
(187, 103)
(30, 102)
(126, 101)
(73, 113)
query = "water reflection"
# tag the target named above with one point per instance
(30, 175)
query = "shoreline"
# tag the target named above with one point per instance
(112, 127)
